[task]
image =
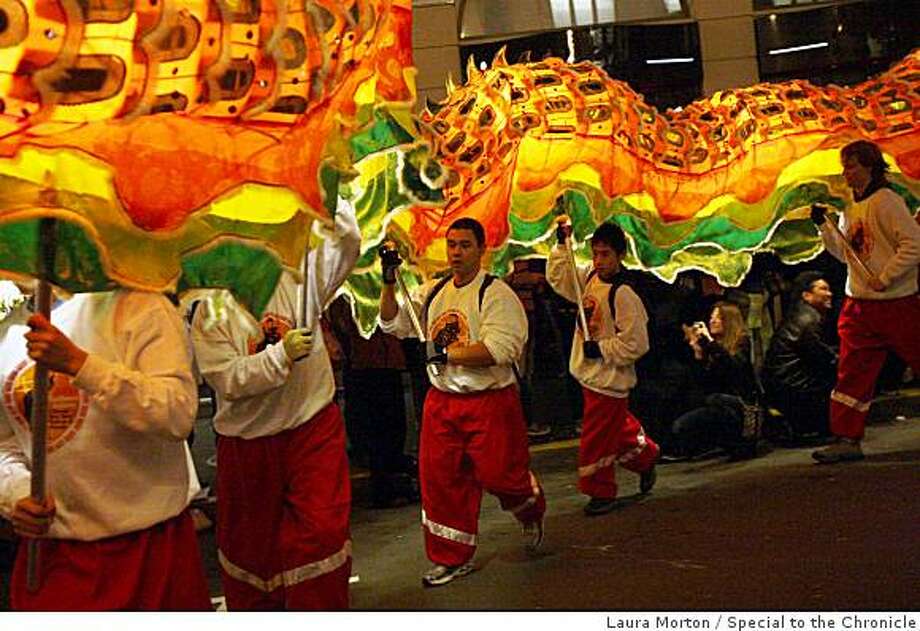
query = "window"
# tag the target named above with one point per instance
(660, 61)
(842, 44)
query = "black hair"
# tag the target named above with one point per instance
(468, 223)
(610, 234)
(804, 282)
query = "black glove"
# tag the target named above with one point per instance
(439, 359)
(389, 262)
(592, 350)
(818, 214)
(562, 232)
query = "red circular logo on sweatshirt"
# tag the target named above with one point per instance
(67, 404)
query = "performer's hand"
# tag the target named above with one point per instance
(592, 350)
(876, 284)
(818, 214)
(389, 261)
(563, 231)
(31, 519)
(298, 343)
(594, 328)
(51, 348)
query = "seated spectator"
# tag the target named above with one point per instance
(722, 354)
(800, 368)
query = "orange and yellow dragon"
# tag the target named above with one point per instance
(515, 136)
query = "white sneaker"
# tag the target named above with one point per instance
(443, 574)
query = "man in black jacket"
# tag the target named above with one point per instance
(800, 368)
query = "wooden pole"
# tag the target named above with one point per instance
(857, 260)
(579, 291)
(43, 296)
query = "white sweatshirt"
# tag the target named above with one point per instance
(117, 458)
(259, 391)
(622, 342)
(881, 229)
(454, 315)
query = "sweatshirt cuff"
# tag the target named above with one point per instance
(16, 489)
(280, 358)
(495, 350)
(92, 374)
(884, 279)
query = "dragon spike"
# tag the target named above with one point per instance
(450, 85)
(472, 72)
(500, 60)
(524, 58)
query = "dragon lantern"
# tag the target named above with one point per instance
(704, 186)
(165, 134)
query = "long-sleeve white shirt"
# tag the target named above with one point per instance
(622, 341)
(454, 315)
(117, 458)
(260, 392)
(881, 229)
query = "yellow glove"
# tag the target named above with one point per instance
(298, 343)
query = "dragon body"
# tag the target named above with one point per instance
(185, 100)
(515, 136)
(186, 143)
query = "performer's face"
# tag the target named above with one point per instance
(819, 296)
(856, 175)
(463, 252)
(606, 261)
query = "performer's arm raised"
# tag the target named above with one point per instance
(151, 390)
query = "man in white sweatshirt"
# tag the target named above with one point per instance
(474, 436)
(283, 490)
(882, 308)
(115, 530)
(605, 366)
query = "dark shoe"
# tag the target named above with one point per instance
(600, 506)
(647, 480)
(533, 535)
(444, 574)
(844, 450)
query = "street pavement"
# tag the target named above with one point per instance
(775, 532)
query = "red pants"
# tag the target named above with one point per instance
(868, 329)
(472, 442)
(610, 434)
(158, 568)
(283, 503)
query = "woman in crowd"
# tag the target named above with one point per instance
(722, 356)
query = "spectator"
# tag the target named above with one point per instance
(800, 368)
(375, 410)
(722, 353)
